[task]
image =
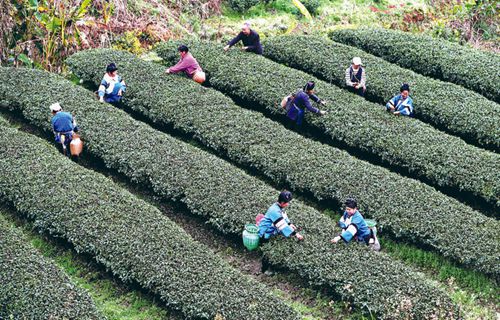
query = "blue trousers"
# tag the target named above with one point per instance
(112, 98)
(300, 116)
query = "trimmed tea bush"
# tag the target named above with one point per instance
(457, 110)
(250, 139)
(32, 287)
(228, 198)
(473, 69)
(128, 236)
(242, 5)
(444, 160)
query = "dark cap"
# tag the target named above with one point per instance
(111, 67)
(183, 48)
(404, 86)
(285, 196)
(351, 203)
(309, 86)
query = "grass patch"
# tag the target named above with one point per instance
(112, 298)
(445, 271)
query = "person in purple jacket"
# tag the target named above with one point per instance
(188, 65)
(250, 39)
(301, 103)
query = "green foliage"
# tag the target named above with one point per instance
(242, 5)
(129, 41)
(445, 271)
(312, 6)
(115, 300)
(128, 236)
(250, 139)
(32, 286)
(440, 103)
(49, 30)
(451, 62)
(444, 160)
(225, 195)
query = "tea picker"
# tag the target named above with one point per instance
(274, 222)
(64, 127)
(112, 85)
(355, 77)
(401, 104)
(188, 65)
(250, 39)
(296, 104)
(354, 226)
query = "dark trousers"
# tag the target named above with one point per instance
(360, 92)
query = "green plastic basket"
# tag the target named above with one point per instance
(251, 237)
(251, 228)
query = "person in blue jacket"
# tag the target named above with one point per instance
(63, 125)
(401, 104)
(354, 226)
(301, 102)
(276, 220)
(112, 85)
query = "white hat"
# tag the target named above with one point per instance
(356, 61)
(55, 107)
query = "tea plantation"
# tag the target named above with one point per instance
(222, 151)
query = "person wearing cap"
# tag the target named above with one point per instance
(301, 103)
(401, 104)
(355, 77)
(63, 125)
(354, 226)
(188, 65)
(250, 39)
(276, 221)
(112, 85)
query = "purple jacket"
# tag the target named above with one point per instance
(302, 102)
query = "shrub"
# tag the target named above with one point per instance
(128, 236)
(228, 197)
(457, 110)
(354, 123)
(250, 139)
(242, 5)
(32, 286)
(440, 59)
(312, 6)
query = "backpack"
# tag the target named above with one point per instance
(287, 102)
(258, 218)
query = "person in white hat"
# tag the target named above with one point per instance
(63, 125)
(355, 77)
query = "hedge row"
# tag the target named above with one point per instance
(455, 109)
(443, 160)
(247, 137)
(32, 287)
(229, 198)
(471, 68)
(131, 238)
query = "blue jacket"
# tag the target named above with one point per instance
(110, 87)
(301, 101)
(62, 122)
(405, 107)
(274, 222)
(354, 226)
